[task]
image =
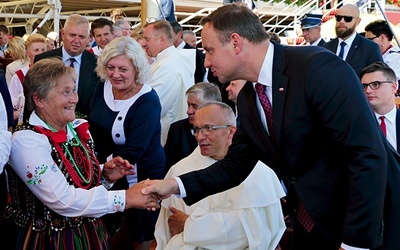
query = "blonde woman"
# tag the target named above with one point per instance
(16, 49)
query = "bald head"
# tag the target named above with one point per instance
(347, 20)
(349, 10)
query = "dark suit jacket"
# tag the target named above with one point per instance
(321, 43)
(391, 234)
(87, 77)
(180, 142)
(319, 145)
(200, 69)
(362, 53)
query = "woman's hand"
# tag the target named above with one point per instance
(116, 169)
(135, 198)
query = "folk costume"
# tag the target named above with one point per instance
(55, 190)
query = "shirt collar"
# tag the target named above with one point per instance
(349, 40)
(316, 42)
(66, 56)
(35, 120)
(181, 45)
(390, 116)
(265, 76)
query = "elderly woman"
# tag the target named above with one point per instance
(125, 121)
(16, 49)
(55, 177)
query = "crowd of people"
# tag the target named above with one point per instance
(141, 139)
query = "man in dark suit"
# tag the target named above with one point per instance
(73, 53)
(180, 141)
(380, 86)
(358, 51)
(330, 155)
(177, 38)
(311, 28)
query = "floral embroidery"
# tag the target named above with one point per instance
(35, 176)
(53, 167)
(118, 203)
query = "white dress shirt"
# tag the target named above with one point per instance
(53, 189)
(348, 42)
(77, 64)
(390, 121)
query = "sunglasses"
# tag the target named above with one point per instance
(347, 19)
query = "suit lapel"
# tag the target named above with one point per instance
(83, 71)
(250, 120)
(353, 48)
(279, 89)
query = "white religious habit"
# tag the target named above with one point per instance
(172, 75)
(248, 216)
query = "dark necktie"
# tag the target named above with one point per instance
(383, 124)
(304, 218)
(71, 62)
(341, 53)
(266, 104)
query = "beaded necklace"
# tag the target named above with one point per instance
(77, 157)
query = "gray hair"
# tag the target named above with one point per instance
(43, 76)
(227, 115)
(125, 46)
(205, 92)
(76, 19)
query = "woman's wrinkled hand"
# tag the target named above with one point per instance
(116, 169)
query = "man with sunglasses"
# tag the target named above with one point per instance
(380, 87)
(356, 50)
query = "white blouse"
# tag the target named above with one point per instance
(31, 160)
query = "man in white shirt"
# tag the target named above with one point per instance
(103, 34)
(322, 141)
(229, 220)
(356, 50)
(380, 86)
(172, 73)
(177, 37)
(75, 36)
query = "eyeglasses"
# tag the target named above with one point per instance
(347, 19)
(374, 85)
(206, 130)
(372, 38)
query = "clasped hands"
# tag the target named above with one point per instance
(145, 194)
(148, 193)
